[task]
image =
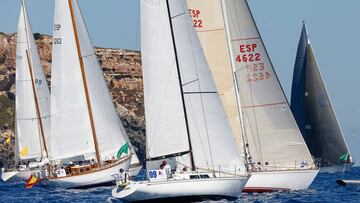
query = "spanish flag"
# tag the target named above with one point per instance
(31, 182)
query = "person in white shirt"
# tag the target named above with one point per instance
(167, 168)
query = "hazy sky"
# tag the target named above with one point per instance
(333, 25)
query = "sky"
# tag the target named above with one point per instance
(333, 26)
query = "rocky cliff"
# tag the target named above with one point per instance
(122, 71)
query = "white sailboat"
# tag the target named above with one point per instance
(253, 99)
(88, 142)
(185, 121)
(31, 105)
(314, 113)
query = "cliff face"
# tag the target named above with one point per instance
(122, 71)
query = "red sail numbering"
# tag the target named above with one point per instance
(255, 68)
(195, 14)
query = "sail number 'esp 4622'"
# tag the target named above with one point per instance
(252, 58)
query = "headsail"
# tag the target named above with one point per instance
(211, 136)
(32, 95)
(271, 131)
(72, 106)
(313, 110)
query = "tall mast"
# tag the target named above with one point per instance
(181, 87)
(238, 98)
(84, 82)
(42, 136)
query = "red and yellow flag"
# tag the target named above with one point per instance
(31, 182)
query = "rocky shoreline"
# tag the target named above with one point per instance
(122, 71)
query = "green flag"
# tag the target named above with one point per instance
(123, 149)
(344, 157)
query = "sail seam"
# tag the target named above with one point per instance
(262, 105)
(241, 39)
(200, 92)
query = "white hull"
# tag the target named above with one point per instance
(7, 175)
(352, 183)
(208, 187)
(18, 175)
(96, 178)
(268, 181)
(336, 168)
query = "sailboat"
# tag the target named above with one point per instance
(32, 105)
(185, 123)
(88, 143)
(252, 96)
(314, 113)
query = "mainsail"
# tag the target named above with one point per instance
(267, 123)
(182, 105)
(84, 120)
(32, 96)
(313, 110)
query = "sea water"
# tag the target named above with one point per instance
(323, 189)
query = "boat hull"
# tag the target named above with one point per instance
(269, 181)
(17, 175)
(97, 178)
(229, 188)
(351, 183)
(336, 168)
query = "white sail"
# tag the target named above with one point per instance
(165, 125)
(209, 25)
(71, 128)
(273, 135)
(211, 137)
(29, 132)
(270, 129)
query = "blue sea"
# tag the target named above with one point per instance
(323, 189)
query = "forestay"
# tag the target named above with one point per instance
(312, 107)
(29, 138)
(211, 137)
(71, 129)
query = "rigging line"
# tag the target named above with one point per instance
(237, 95)
(190, 82)
(82, 68)
(254, 135)
(200, 92)
(38, 114)
(180, 85)
(190, 28)
(177, 15)
(259, 148)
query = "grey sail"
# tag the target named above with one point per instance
(313, 110)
